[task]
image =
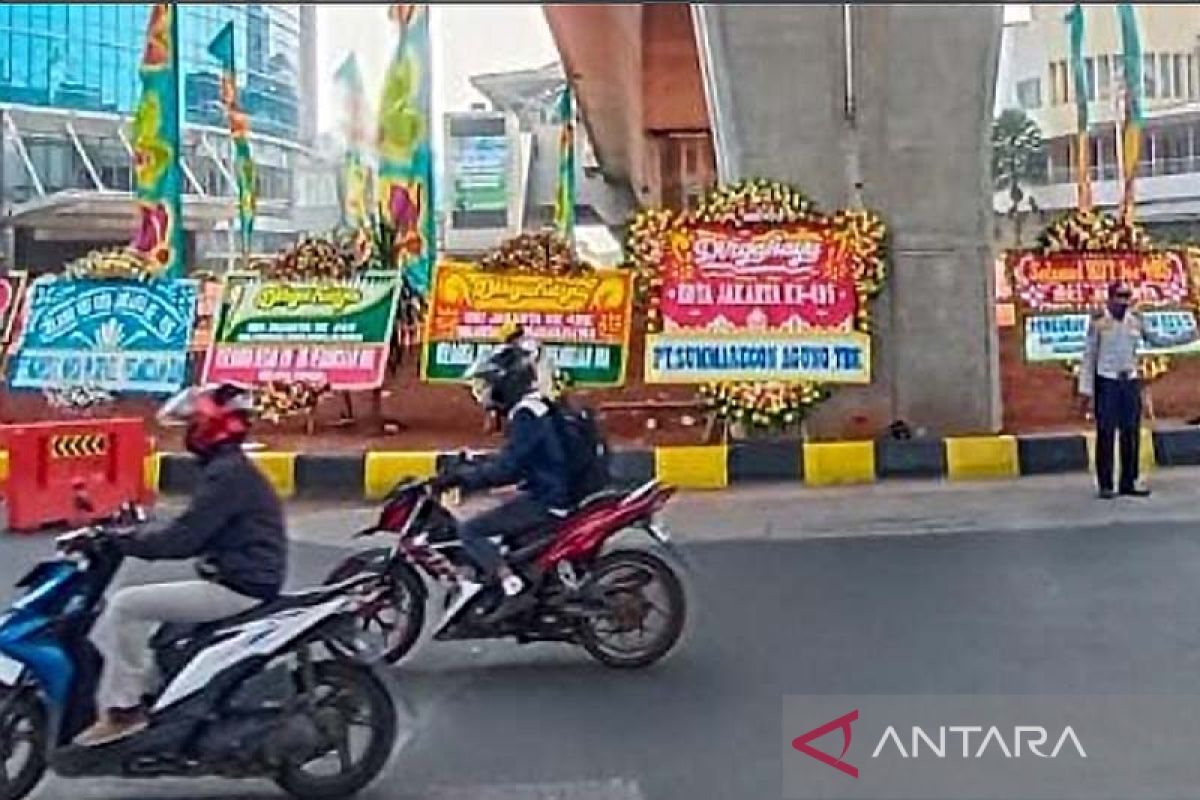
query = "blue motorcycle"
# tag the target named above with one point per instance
(275, 693)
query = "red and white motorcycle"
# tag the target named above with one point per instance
(624, 605)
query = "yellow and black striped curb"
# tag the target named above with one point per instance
(78, 445)
(369, 475)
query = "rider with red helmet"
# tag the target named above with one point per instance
(234, 527)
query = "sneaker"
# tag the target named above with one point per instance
(516, 600)
(1106, 494)
(512, 585)
(113, 726)
(1137, 491)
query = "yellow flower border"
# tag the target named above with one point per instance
(768, 405)
(122, 263)
(538, 253)
(772, 404)
(1091, 231)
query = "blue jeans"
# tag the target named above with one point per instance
(512, 518)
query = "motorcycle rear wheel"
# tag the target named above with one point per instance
(23, 723)
(345, 683)
(627, 607)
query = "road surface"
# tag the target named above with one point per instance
(1062, 604)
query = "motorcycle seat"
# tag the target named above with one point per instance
(532, 545)
(593, 500)
(172, 635)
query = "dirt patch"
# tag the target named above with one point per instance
(1036, 399)
(432, 417)
(1042, 398)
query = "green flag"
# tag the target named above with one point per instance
(564, 199)
(356, 176)
(159, 180)
(1132, 58)
(1131, 144)
(1075, 21)
(1082, 145)
(221, 47)
(222, 50)
(405, 183)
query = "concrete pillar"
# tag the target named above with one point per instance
(925, 79)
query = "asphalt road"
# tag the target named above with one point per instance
(1070, 611)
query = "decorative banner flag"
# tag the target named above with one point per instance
(1132, 138)
(564, 199)
(405, 148)
(159, 237)
(12, 289)
(1082, 145)
(356, 192)
(221, 49)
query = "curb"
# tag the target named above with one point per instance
(368, 476)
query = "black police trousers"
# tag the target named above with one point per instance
(1118, 406)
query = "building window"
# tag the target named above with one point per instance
(1165, 90)
(85, 56)
(1103, 78)
(1180, 77)
(687, 169)
(1170, 150)
(1029, 93)
(1053, 79)
(1089, 76)
(1149, 84)
(1107, 165)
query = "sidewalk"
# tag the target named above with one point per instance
(896, 508)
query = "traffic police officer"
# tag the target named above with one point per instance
(1108, 378)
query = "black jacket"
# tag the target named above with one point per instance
(234, 523)
(532, 456)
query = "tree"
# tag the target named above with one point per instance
(1018, 159)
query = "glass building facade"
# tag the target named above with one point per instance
(85, 57)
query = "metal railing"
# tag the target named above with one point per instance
(1108, 172)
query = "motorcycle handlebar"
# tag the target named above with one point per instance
(127, 518)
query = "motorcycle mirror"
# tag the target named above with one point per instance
(82, 501)
(131, 514)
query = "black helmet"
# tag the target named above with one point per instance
(500, 380)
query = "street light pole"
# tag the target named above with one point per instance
(851, 142)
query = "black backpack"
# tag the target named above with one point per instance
(585, 448)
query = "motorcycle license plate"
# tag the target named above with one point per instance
(659, 531)
(10, 670)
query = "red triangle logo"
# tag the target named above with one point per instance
(842, 723)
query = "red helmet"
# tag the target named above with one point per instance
(214, 415)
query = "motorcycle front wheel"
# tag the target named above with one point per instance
(639, 609)
(393, 626)
(357, 718)
(23, 737)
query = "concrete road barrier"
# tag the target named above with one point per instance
(369, 475)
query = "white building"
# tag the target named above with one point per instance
(1035, 75)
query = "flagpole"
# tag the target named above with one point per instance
(178, 237)
(1119, 132)
(1082, 142)
(1131, 117)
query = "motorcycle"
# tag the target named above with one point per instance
(272, 693)
(584, 591)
